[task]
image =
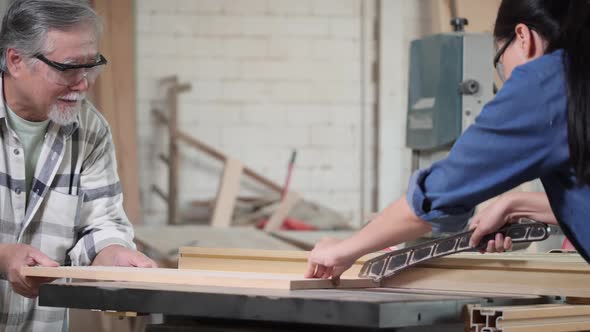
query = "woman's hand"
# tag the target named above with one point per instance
(395, 224)
(506, 209)
(489, 220)
(328, 260)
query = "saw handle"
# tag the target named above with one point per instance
(519, 233)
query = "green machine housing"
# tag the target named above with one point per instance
(451, 79)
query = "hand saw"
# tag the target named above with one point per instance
(393, 262)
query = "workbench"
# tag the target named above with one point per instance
(206, 308)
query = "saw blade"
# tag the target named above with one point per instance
(393, 262)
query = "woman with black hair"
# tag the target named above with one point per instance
(537, 126)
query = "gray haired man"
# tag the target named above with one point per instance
(60, 197)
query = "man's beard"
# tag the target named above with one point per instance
(65, 115)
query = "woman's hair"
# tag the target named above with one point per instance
(564, 24)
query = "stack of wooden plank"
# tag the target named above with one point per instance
(194, 277)
(530, 274)
(524, 274)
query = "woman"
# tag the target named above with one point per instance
(537, 126)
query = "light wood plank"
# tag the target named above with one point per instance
(278, 217)
(544, 311)
(252, 260)
(508, 281)
(227, 194)
(495, 262)
(192, 277)
(559, 275)
(513, 261)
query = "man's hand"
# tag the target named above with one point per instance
(13, 257)
(116, 255)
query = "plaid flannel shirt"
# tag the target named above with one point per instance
(75, 206)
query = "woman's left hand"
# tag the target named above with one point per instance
(489, 220)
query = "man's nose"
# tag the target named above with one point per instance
(82, 84)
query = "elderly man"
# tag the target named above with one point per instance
(60, 197)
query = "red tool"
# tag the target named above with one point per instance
(289, 173)
(290, 223)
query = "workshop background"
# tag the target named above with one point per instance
(328, 78)
(209, 99)
(325, 77)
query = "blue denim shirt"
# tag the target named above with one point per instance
(519, 136)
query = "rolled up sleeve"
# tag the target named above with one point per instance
(512, 141)
(442, 220)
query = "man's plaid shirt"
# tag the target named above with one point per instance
(75, 206)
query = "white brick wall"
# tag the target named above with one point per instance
(401, 22)
(267, 76)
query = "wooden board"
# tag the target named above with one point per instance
(227, 194)
(114, 95)
(514, 262)
(540, 274)
(193, 277)
(252, 260)
(536, 274)
(278, 217)
(481, 280)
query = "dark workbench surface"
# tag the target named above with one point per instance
(364, 308)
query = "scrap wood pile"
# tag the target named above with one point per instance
(304, 215)
(277, 209)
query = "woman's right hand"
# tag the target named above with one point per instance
(395, 224)
(328, 259)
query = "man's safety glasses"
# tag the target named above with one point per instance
(72, 74)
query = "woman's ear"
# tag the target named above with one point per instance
(528, 42)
